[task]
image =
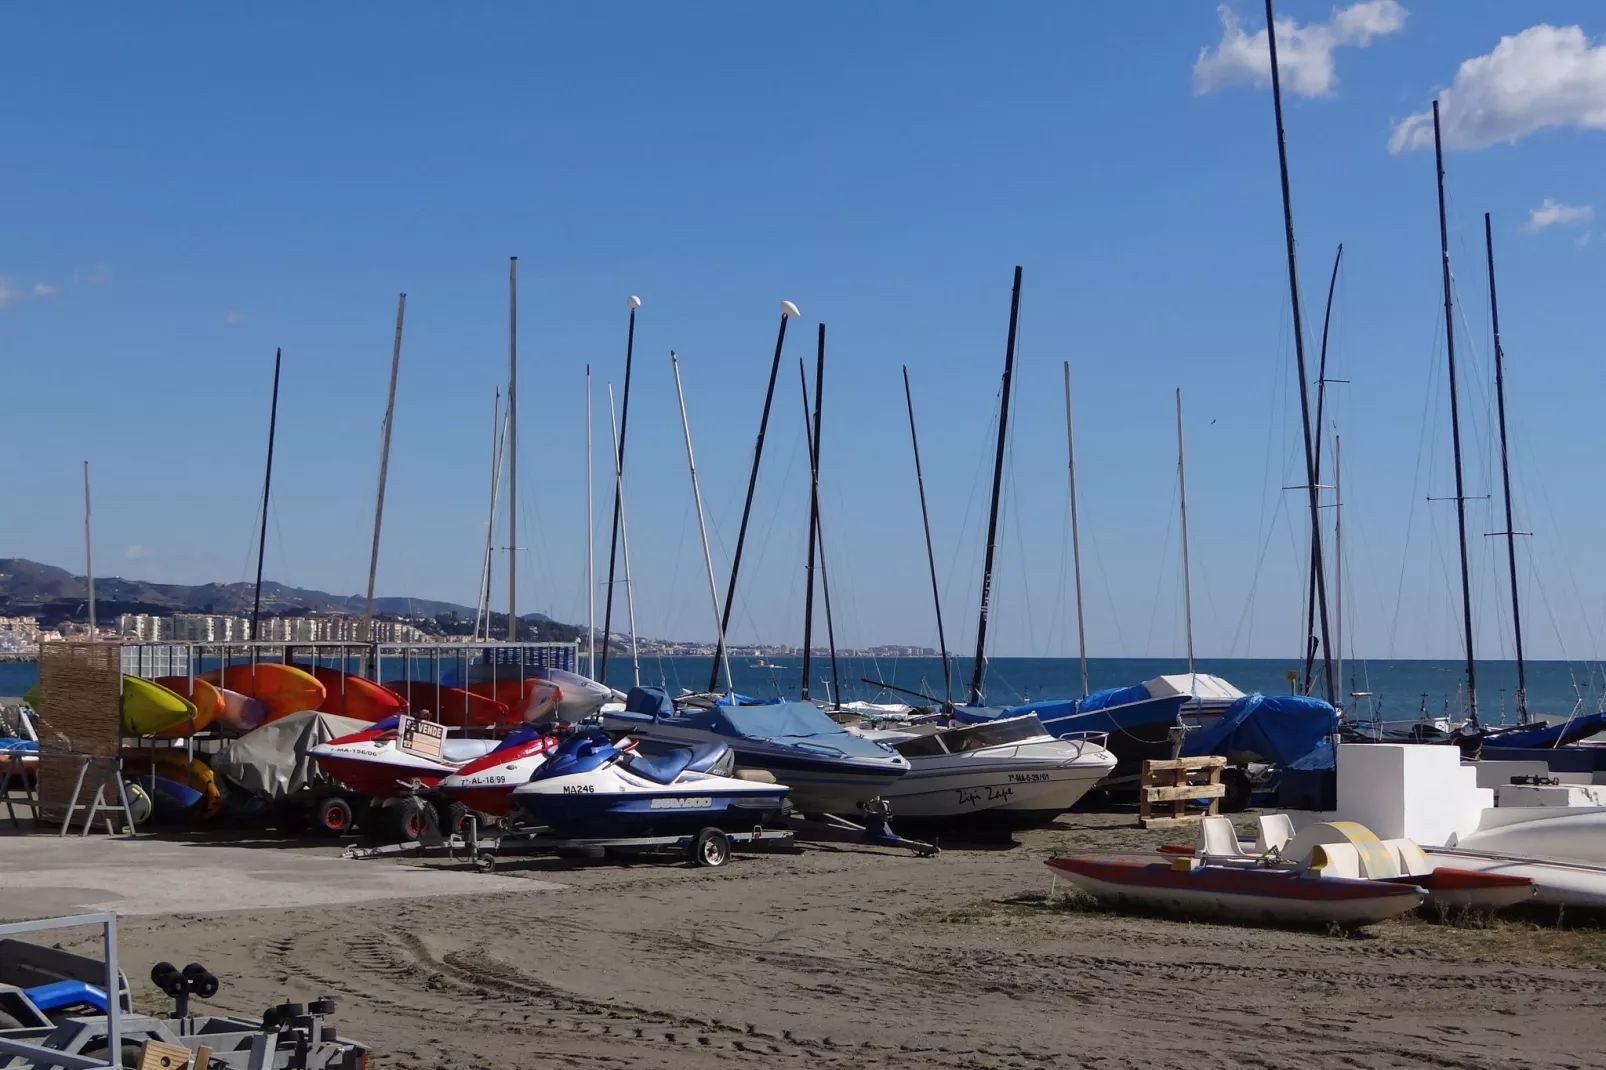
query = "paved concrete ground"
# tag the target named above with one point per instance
(43, 875)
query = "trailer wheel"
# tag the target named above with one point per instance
(410, 818)
(335, 816)
(711, 848)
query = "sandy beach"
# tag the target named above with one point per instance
(849, 956)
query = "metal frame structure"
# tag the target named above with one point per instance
(48, 1056)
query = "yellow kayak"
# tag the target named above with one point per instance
(149, 708)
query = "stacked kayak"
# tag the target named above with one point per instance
(357, 697)
(281, 689)
(451, 705)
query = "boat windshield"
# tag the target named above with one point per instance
(992, 734)
(920, 746)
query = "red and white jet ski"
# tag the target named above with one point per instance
(372, 762)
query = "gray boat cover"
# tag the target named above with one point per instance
(271, 761)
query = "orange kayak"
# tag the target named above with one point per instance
(208, 702)
(452, 705)
(355, 696)
(283, 689)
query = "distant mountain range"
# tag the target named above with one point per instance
(28, 587)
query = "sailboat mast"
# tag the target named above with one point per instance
(1187, 578)
(624, 541)
(591, 547)
(618, 489)
(787, 309)
(1076, 541)
(1312, 480)
(512, 446)
(89, 556)
(267, 486)
(1505, 474)
(1338, 561)
(931, 557)
(482, 608)
(384, 470)
(1321, 411)
(702, 527)
(814, 510)
(813, 442)
(979, 670)
(1455, 424)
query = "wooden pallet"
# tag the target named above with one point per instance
(1180, 781)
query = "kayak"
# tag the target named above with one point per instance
(1231, 893)
(349, 695)
(203, 696)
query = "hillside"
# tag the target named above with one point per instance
(34, 589)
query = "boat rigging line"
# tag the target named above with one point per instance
(384, 470)
(618, 500)
(1076, 542)
(979, 669)
(624, 540)
(788, 309)
(1182, 492)
(931, 557)
(267, 486)
(702, 528)
(1511, 532)
(812, 441)
(1312, 482)
(814, 515)
(1321, 422)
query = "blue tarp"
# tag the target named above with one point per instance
(1285, 730)
(1113, 696)
(649, 702)
(1555, 735)
(783, 722)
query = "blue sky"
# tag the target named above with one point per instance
(188, 188)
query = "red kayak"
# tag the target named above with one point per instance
(452, 705)
(1235, 893)
(355, 696)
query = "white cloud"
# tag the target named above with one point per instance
(1583, 239)
(1304, 53)
(45, 289)
(1543, 76)
(136, 552)
(1550, 213)
(10, 292)
(234, 316)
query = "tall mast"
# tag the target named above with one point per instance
(624, 540)
(1505, 474)
(702, 527)
(89, 555)
(591, 547)
(1321, 409)
(931, 557)
(498, 437)
(1338, 562)
(512, 447)
(787, 309)
(384, 469)
(978, 672)
(267, 486)
(1455, 424)
(1187, 576)
(1076, 542)
(814, 510)
(1312, 483)
(812, 439)
(618, 492)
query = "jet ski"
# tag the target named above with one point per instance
(372, 762)
(830, 770)
(592, 787)
(486, 784)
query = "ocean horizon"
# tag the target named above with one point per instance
(1398, 688)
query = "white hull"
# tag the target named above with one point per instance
(980, 781)
(1555, 883)
(1566, 833)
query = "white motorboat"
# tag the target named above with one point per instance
(1008, 772)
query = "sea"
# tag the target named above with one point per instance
(1371, 689)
